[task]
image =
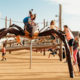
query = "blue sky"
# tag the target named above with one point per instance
(45, 9)
(18, 9)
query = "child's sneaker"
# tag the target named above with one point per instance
(5, 58)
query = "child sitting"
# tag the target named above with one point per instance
(52, 26)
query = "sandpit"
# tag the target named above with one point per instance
(16, 67)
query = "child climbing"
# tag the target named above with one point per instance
(70, 38)
(29, 22)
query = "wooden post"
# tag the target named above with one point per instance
(44, 23)
(47, 23)
(60, 25)
(10, 22)
(10, 43)
(44, 52)
(10, 51)
(6, 22)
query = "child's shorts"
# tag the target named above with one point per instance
(3, 54)
(70, 42)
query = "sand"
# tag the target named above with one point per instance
(16, 67)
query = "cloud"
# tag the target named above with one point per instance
(58, 1)
(70, 6)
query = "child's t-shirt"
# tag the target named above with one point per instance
(26, 19)
(53, 27)
(69, 34)
(3, 50)
(18, 39)
(75, 45)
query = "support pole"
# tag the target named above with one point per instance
(44, 23)
(9, 25)
(30, 54)
(60, 25)
(10, 22)
(6, 22)
(44, 52)
(10, 51)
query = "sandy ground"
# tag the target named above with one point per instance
(16, 67)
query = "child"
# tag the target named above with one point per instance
(64, 56)
(3, 52)
(69, 37)
(18, 40)
(52, 26)
(28, 22)
(75, 49)
(53, 52)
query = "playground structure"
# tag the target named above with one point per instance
(62, 37)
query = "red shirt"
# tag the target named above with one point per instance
(3, 50)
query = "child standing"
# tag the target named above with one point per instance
(3, 52)
(75, 49)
